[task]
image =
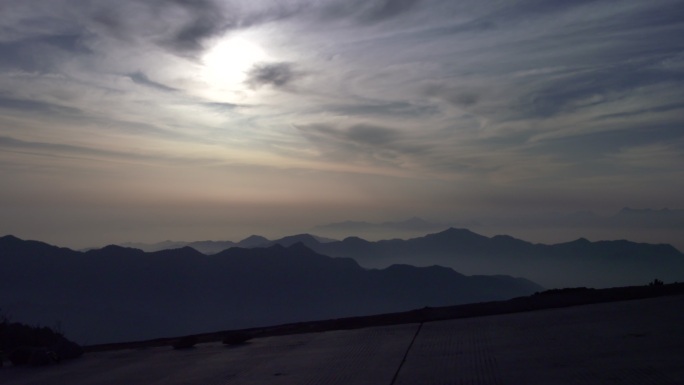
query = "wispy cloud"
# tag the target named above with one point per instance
(273, 74)
(35, 106)
(368, 11)
(40, 53)
(142, 79)
(60, 150)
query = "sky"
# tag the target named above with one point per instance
(210, 119)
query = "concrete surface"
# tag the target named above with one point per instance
(632, 342)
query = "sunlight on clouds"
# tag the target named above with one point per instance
(225, 66)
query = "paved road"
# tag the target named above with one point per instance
(633, 342)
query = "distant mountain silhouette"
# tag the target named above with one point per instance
(213, 247)
(306, 239)
(253, 241)
(118, 293)
(205, 247)
(577, 263)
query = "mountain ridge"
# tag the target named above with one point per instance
(575, 263)
(118, 294)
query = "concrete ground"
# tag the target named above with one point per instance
(631, 342)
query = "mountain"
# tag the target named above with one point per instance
(406, 228)
(213, 247)
(662, 225)
(306, 239)
(578, 263)
(151, 247)
(253, 241)
(118, 294)
(205, 247)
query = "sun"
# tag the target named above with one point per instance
(226, 64)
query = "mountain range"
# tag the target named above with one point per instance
(643, 225)
(116, 294)
(581, 262)
(578, 263)
(213, 247)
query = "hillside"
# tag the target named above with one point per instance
(120, 294)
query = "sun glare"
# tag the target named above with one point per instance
(226, 64)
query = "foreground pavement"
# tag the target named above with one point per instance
(630, 342)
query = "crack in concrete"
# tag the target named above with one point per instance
(403, 360)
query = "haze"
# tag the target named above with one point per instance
(180, 119)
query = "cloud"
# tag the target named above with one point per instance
(277, 75)
(203, 19)
(460, 97)
(41, 53)
(371, 135)
(221, 106)
(142, 79)
(363, 135)
(60, 150)
(365, 144)
(385, 9)
(367, 11)
(590, 87)
(36, 106)
(565, 69)
(386, 109)
(644, 110)
(10, 143)
(183, 27)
